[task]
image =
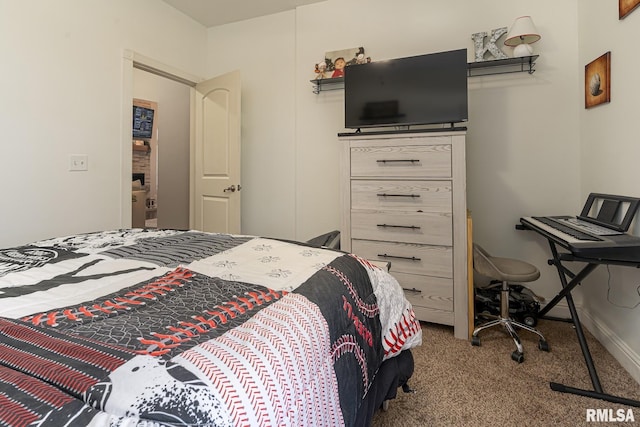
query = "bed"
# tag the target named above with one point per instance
(170, 327)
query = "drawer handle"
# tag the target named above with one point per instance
(414, 290)
(412, 227)
(412, 258)
(397, 195)
(399, 161)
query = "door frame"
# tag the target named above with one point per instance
(131, 60)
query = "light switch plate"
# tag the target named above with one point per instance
(78, 162)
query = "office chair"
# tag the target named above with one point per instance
(505, 271)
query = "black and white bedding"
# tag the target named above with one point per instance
(167, 327)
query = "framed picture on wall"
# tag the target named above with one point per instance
(337, 60)
(597, 81)
(625, 7)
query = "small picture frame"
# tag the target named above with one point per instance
(625, 7)
(336, 61)
(597, 81)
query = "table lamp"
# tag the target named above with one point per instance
(521, 35)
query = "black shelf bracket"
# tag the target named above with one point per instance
(502, 66)
(334, 83)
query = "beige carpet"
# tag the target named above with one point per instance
(461, 385)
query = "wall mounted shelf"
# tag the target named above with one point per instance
(502, 66)
(327, 84)
(474, 69)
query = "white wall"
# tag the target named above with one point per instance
(61, 94)
(263, 49)
(610, 150)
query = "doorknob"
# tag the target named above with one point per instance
(232, 188)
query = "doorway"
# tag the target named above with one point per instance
(163, 157)
(214, 126)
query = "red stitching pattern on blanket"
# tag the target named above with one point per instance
(163, 343)
(364, 332)
(348, 344)
(369, 310)
(406, 327)
(364, 262)
(66, 348)
(276, 374)
(55, 372)
(15, 414)
(34, 388)
(162, 286)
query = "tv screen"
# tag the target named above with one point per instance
(142, 122)
(418, 90)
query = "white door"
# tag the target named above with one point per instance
(215, 163)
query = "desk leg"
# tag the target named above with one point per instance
(584, 346)
(594, 395)
(565, 292)
(567, 287)
(597, 392)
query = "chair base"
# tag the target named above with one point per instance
(510, 326)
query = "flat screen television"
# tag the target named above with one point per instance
(417, 90)
(142, 122)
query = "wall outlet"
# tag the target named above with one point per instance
(78, 162)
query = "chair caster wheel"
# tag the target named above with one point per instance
(385, 405)
(475, 340)
(517, 356)
(543, 345)
(530, 320)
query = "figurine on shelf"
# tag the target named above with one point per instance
(338, 67)
(360, 58)
(321, 68)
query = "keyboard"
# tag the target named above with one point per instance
(577, 234)
(617, 247)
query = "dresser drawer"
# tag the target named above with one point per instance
(424, 291)
(410, 227)
(407, 257)
(402, 161)
(427, 196)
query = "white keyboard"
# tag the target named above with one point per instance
(588, 227)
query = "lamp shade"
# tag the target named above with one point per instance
(522, 32)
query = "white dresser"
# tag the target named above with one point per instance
(404, 201)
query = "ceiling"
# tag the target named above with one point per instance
(217, 12)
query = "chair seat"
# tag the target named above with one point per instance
(503, 269)
(514, 270)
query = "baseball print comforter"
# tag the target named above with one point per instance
(166, 327)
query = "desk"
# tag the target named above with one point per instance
(560, 260)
